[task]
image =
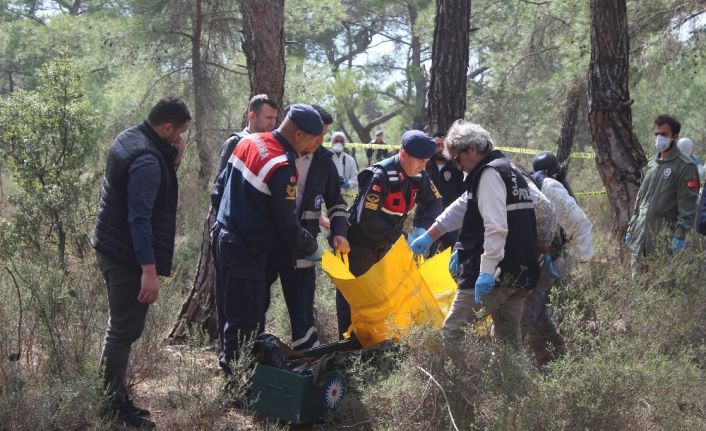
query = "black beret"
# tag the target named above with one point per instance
(418, 144)
(306, 118)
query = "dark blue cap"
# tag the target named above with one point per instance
(418, 144)
(306, 118)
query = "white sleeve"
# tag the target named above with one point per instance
(545, 216)
(351, 171)
(492, 205)
(571, 218)
(452, 217)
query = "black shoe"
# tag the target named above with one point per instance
(139, 411)
(130, 418)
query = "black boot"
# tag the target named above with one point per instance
(126, 413)
(126, 416)
(139, 411)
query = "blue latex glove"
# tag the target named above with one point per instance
(416, 233)
(549, 267)
(344, 183)
(628, 237)
(678, 244)
(316, 256)
(453, 264)
(421, 244)
(484, 284)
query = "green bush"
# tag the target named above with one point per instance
(634, 360)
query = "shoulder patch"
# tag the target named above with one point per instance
(373, 197)
(434, 190)
(291, 192)
(372, 201)
(692, 184)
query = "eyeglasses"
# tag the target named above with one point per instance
(338, 141)
(457, 159)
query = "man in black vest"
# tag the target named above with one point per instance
(134, 238)
(497, 245)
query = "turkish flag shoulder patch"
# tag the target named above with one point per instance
(692, 184)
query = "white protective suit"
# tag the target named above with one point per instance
(346, 165)
(572, 219)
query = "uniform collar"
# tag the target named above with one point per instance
(673, 155)
(285, 144)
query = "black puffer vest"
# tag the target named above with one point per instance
(111, 236)
(519, 267)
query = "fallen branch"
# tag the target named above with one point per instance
(443, 392)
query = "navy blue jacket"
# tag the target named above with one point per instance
(256, 195)
(385, 196)
(323, 186)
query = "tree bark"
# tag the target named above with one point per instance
(416, 71)
(198, 311)
(568, 122)
(619, 155)
(263, 45)
(449, 64)
(199, 77)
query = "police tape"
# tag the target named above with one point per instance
(514, 150)
(370, 146)
(599, 193)
(532, 151)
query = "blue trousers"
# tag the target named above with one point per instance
(298, 289)
(241, 296)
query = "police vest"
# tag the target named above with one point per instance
(111, 235)
(519, 267)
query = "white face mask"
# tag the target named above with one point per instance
(337, 147)
(662, 143)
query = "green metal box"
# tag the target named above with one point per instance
(292, 397)
(296, 398)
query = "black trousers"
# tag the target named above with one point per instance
(298, 289)
(241, 296)
(126, 321)
(360, 259)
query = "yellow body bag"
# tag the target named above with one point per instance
(394, 294)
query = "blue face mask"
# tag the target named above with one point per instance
(662, 143)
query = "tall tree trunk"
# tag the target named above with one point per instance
(416, 71)
(619, 155)
(198, 311)
(201, 95)
(263, 45)
(449, 64)
(568, 121)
